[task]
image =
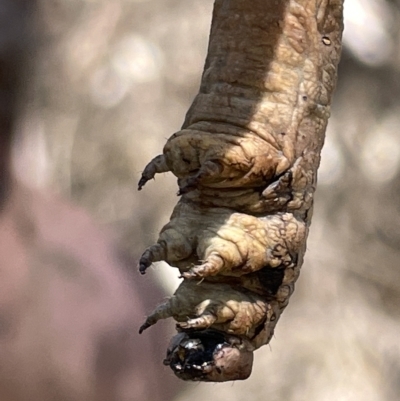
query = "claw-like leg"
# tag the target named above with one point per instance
(200, 306)
(207, 170)
(163, 311)
(157, 165)
(243, 244)
(213, 265)
(204, 321)
(155, 253)
(226, 243)
(173, 246)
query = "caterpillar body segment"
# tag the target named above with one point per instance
(218, 160)
(226, 242)
(202, 305)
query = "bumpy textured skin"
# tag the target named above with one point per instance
(227, 243)
(246, 160)
(230, 310)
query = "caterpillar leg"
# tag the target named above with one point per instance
(238, 246)
(172, 247)
(163, 311)
(204, 321)
(157, 165)
(238, 316)
(208, 311)
(229, 249)
(208, 170)
(245, 244)
(154, 253)
(211, 267)
(203, 305)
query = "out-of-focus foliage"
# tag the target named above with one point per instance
(114, 78)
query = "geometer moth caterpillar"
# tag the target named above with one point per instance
(246, 160)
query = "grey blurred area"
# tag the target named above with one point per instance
(110, 80)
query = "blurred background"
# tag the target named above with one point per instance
(108, 82)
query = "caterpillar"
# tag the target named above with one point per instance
(246, 161)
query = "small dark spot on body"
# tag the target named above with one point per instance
(187, 161)
(259, 329)
(271, 279)
(304, 97)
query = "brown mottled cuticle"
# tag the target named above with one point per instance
(246, 160)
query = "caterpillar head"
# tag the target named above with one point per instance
(209, 355)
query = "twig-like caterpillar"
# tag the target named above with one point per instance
(246, 161)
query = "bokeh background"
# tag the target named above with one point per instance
(110, 80)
